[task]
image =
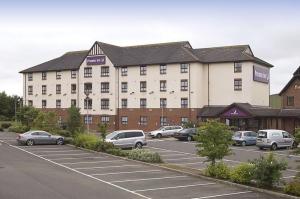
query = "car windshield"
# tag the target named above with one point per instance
(111, 135)
(161, 128)
(238, 134)
(262, 134)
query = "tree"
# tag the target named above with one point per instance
(214, 141)
(26, 115)
(102, 129)
(74, 123)
(8, 106)
(47, 121)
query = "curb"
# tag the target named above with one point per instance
(282, 195)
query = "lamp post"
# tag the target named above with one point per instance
(87, 93)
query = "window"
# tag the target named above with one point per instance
(184, 120)
(58, 103)
(285, 134)
(105, 104)
(163, 69)
(58, 74)
(104, 71)
(184, 85)
(73, 74)
(88, 119)
(73, 88)
(88, 103)
(124, 103)
(163, 103)
(143, 86)
(124, 71)
(124, 87)
(88, 72)
(143, 102)
(290, 101)
(30, 78)
(30, 103)
(58, 89)
(44, 103)
(237, 84)
(184, 102)
(30, 90)
(163, 85)
(105, 119)
(104, 87)
(73, 102)
(44, 75)
(163, 121)
(44, 89)
(88, 87)
(143, 120)
(143, 70)
(237, 67)
(184, 68)
(124, 120)
(133, 134)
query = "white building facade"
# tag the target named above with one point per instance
(147, 86)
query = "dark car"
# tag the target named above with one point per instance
(186, 134)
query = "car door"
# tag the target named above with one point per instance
(253, 137)
(167, 131)
(120, 140)
(130, 138)
(45, 138)
(35, 136)
(287, 139)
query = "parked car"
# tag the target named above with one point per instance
(271, 138)
(186, 134)
(165, 131)
(127, 139)
(244, 138)
(39, 137)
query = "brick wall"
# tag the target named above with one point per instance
(293, 90)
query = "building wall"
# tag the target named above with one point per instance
(293, 90)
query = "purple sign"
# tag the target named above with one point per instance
(95, 60)
(261, 74)
(234, 112)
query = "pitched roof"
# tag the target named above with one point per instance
(296, 75)
(68, 61)
(161, 53)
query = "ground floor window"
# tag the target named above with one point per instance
(163, 121)
(184, 120)
(105, 119)
(88, 119)
(143, 120)
(124, 120)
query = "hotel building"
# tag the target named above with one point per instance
(147, 86)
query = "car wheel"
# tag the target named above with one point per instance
(158, 135)
(274, 147)
(189, 138)
(138, 145)
(29, 142)
(243, 143)
(59, 141)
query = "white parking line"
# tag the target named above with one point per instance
(126, 172)
(144, 179)
(62, 151)
(41, 148)
(167, 155)
(289, 177)
(126, 165)
(68, 163)
(185, 158)
(175, 187)
(225, 194)
(79, 172)
(90, 157)
(65, 154)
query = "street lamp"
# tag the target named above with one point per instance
(87, 93)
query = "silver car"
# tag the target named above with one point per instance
(165, 131)
(273, 139)
(39, 137)
(244, 138)
(127, 139)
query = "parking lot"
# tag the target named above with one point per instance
(184, 154)
(129, 179)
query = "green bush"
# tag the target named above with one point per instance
(5, 125)
(219, 170)
(144, 156)
(87, 141)
(242, 173)
(17, 127)
(64, 133)
(267, 170)
(68, 140)
(293, 188)
(117, 152)
(104, 146)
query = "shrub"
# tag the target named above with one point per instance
(104, 146)
(219, 170)
(242, 173)
(293, 188)
(267, 170)
(117, 152)
(1, 129)
(74, 122)
(5, 125)
(18, 128)
(144, 156)
(64, 133)
(87, 141)
(68, 140)
(102, 127)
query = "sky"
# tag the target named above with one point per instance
(32, 32)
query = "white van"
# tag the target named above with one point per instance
(127, 138)
(273, 139)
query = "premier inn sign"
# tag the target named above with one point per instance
(95, 60)
(261, 74)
